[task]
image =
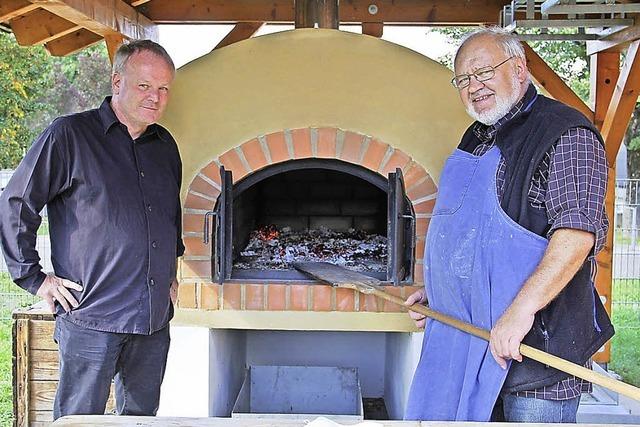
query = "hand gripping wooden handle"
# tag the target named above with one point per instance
(526, 350)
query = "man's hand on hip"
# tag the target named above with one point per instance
(508, 333)
(173, 291)
(418, 297)
(56, 289)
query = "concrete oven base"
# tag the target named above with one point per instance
(206, 367)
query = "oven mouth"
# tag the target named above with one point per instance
(311, 210)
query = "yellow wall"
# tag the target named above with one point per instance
(314, 78)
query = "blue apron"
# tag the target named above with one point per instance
(476, 260)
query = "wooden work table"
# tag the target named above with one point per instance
(117, 421)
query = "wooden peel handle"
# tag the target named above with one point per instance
(528, 351)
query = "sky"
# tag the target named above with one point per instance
(187, 42)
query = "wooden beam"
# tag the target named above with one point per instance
(10, 9)
(137, 3)
(113, 42)
(242, 31)
(615, 42)
(553, 83)
(353, 11)
(622, 103)
(40, 26)
(103, 17)
(619, 110)
(72, 43)
(374, 29)
(605, 69)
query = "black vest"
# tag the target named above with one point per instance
(575, 324)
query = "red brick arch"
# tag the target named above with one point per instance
(263, 151)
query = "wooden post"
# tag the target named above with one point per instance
(21, 372)
(622, 102)
(605, 69)
(325, 13)
(305, 13)
(328, 14)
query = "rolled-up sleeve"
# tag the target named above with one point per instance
(40, 176)
(578, 184)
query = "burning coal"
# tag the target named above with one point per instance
(270, 248)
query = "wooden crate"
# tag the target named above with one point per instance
(35, 367)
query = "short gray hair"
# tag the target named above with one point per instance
(507, 41)
(127, 50)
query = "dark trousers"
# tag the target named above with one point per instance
(90, 360)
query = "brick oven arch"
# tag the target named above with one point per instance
(303, 143)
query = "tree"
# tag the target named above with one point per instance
(79, 82)
(35, 88)
(24, 74)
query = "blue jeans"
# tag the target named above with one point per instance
(529, 410)
(90, 360)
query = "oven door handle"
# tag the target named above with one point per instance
(205, 238)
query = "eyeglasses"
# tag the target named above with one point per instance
(481, 74)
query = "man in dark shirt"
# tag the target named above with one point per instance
(526, 275)
(110, 179)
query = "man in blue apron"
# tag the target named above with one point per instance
(518, 220)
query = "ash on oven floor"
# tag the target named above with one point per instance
(271, 248)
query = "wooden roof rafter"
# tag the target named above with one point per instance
(40, 26)
(66, 26)
(10, 9)
(103, 18)
(416, 12)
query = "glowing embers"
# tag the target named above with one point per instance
(271, 248)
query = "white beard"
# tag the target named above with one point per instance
(503, 105)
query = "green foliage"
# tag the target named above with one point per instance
(625, 345)
(634, 143)
(11, 297)
(24, 75)
(6, 396)
(35, 88)
(569, 60)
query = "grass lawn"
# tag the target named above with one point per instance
(6, 402)
(11, 297)
(625, 345)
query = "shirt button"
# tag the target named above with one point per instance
(142, 174)
(149, 208)
(152, 282)
(154, 244)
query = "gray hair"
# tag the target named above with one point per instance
(127, 50)
(507, 41)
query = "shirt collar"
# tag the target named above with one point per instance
(107, 116)
(109, 119)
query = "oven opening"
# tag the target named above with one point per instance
(312, 210)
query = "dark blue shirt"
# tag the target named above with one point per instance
(114, 219)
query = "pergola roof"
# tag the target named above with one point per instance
(66, 26)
